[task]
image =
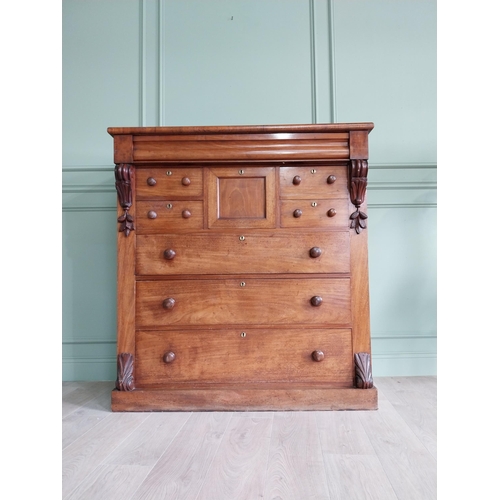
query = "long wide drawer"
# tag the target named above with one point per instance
(278, 253)
(249, 356)
(252, 301)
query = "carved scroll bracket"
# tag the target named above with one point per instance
(363, 367)
(123, 184)
(358, 178)
(125, 369)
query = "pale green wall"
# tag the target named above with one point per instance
(185, 62)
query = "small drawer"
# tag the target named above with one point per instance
(244, 355)
(313, 182)
(244, 301)
(159, 217)
(315, 213)
(169, 183)
(279, 252)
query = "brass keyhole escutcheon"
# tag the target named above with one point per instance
(313, 171)
(242, 283)
(169, 172)
(243, 334)
(241, 172)
(242, 238)
(314, 204)
(169, 205)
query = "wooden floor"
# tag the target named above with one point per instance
(385, 454)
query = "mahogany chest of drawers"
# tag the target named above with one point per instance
(242, 268)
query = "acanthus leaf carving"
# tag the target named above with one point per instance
(125, 372)
(123, 184)
(363, 370)
(358, 172)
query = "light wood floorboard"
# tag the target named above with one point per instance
(385, 454)
(238, 469)
(417, 409)
(295, 470)
(182, 469)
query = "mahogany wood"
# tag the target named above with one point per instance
(171, 215)
(260, 356)
(317, 216)
(260, 252)
(242, 268)
(363, 364)
(313, 185)
(240, 398)
(241, 197)
(170, 183)
(250, 302)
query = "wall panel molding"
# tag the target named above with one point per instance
(141, 73)
(332, 70)
(312, 29)
(82, 340)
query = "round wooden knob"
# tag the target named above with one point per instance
(169, 303)
(331, 212)
(186, 181)
(151, 181)
(168, 357)
(152, 214)
(318, 356)
(315, 252)
(331, 179)
(316, 301)
(186, 214)
(169, 254)
(297, 213)
(296, 180)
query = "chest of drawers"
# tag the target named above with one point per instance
(242, 268)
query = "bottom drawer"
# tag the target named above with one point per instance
(249, 356)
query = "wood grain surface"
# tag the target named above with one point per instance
(270, 252)
(242, 228)
(250, 454)
(169, 186)
(237, 471)
(296, 469)
(171, 216)
(182, 470)
(241, 197)
(251, 302)
(313, 185)
(315, 216)
(259, 356)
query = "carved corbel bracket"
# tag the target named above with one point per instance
(123, 184)
(358, 178)
(363, 373)
(125, 369)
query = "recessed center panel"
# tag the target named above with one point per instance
(242, 198)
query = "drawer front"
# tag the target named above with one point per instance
(244, 301)
(241, 197)
(208, 253)
(313, 182)
(169, 183)
(225, 356)
(159, 217)
(318, 213)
